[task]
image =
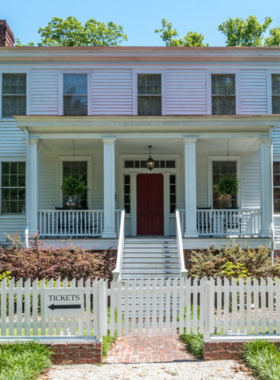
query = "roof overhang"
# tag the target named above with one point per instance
(260, 124)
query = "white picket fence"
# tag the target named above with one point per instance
(145, 307)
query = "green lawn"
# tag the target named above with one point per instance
(23, 361)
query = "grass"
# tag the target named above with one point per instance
(263, 358)
(194, 343)
(107, 342)
(23, 361)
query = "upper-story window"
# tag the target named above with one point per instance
(223, 94)
(13, 94)
(75, 95)
(275, 79)
(149, 94)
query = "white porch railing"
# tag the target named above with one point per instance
(183, 270)
(117, 270)
(226, 222)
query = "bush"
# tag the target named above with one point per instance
(71, 262)
(263, 358)
(194, 343)
(233, 261)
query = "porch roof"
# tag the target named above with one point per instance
(100, 125)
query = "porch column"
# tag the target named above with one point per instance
(109, 188)
(190, 187)
(32, 186)
(266, 187)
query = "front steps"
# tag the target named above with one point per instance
(150, 258)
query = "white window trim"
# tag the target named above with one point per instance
(209, 89)
(12, 159)
(237, 159)
(60, 90)
(28, 91)
(88, 159)
(269, 89)
(135, 89)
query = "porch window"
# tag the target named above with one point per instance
(275, 79)
(75, 95)
(127, 194)
(219, 170)
(77, 169)
(172, 193)
(223, 94)
(149, 94)
(13, 187)
(13, 95)
(276, 186)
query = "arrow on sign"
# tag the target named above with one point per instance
(55, 307)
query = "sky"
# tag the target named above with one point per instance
(138, 18)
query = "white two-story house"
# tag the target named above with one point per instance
(205, 112)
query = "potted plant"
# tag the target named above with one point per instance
(227, 187)
(73, 187)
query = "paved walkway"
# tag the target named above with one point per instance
(151, 349)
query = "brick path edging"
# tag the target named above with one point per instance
(225, 350)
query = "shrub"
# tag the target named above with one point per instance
(71, 262)
(263, 358)
(233, 261)
(194, 343)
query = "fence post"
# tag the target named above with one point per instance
(208, 307)
(101, 309)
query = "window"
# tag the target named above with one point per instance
(149, 94)
(275, 78)
(172, 193)
(219, 170)
(223, 94)
(77, 169)
(171, 164)
(13, 94)
(13, 187)
(127, 193)
(75, 98)
(276, 186)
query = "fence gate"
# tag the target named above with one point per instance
(149, 307)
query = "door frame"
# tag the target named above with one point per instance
(166, 172)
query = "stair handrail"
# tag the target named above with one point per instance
(117, 271)
(183, 270)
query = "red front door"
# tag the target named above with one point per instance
(150, 204)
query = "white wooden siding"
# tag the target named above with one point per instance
(44, 99)
(276, 143)
(10, 224)
(186, 92)
(253, 92)
(12, 140)
(112, 92)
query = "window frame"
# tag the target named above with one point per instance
(87, 159)
(13, 159)
(237, 159)
(276, 213)
(269, 90)
(61, 92)
(135, 90)
(237, 89)
(28, 97)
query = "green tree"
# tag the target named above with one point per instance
(168, 35)
(274, 38)
(240, 32)
(71, 32)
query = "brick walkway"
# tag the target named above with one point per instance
(152, 349)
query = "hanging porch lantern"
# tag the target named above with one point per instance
(150, 163)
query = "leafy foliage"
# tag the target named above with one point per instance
(240, 32)
(168, 35)
(263, 358)
(233, 261)
(73, 185)
(23, 361)
(194, 343)
(228, 185)
(69, 262)
(71, 32)
(274, 37)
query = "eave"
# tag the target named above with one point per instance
(113, 125)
